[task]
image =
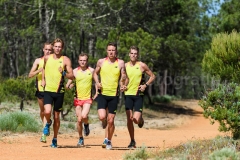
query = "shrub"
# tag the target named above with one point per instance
(222, 59)
(196, 149)
(16, 89)
(140, 153)
(223, 105)
(18, 122)
(163, 99)
(224, 153)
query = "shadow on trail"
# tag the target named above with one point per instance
(93, 145)
(126, 148)
(173, 109)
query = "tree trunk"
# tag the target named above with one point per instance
(40, 18)
(28, 53)
(92, 44)
(1, 61)
(46, 23)
(82, 38)
(120, 102)
(74, 58)
(12, 71)
(17, 56)
(163, 83)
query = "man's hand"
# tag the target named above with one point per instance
(40, 69)
(123, 88)
(142, 87)
(99, 85)
(43, 83)
(70, 86)
(95, 96)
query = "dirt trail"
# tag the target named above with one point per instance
(27, 146)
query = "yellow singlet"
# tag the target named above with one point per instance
(54, 79)
(109, 73)
(83, 84)
(135, 77)
(39, 76)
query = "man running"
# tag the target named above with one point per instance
(83, 99)
(36, 69)
(110, 70)
(134, 94)
(56, 68)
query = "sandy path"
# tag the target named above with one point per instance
(27, 146)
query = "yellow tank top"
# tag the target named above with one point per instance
(39, 76)
(135, 76)
(110, 74)
(83, 84)
(54, 79)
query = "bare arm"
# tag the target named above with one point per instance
(96, 91)
(68, 66)
(96, 73)
(127, 79)
(124, 76)
(34, 71)
(95, 85)
(69, 84)
(150, 74)
(43, 71)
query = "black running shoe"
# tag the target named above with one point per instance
(140, 125)
(86, 130)
(132, 144)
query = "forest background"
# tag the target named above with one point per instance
(173, 36)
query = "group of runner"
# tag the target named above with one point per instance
(111, 76)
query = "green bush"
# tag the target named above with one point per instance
(196, 149)
(138, 154)
(222, 59)
(163, 99)
(18, 122)
(225, 153)
(223, 105)
(16, 89)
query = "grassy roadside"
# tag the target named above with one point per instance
(219, 148)
(223, 147)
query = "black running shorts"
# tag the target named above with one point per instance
(39, 94)
(133, 102)
(109, 102)
(54, 98)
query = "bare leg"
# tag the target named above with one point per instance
(111, 126)
(102, 114)
(41, 107)
(47, 112)
(106, 129)
(137, 116)
(56, 124)
(130, 123)
(85, 112)
(79, 120)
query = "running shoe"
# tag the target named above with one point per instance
(104, 123)
(43, 138)
(80, 142)
(86, 130)
(46, 129)
(104, 143)
(54, 143)
(109, 145)
(132, 144)
(140, 125)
